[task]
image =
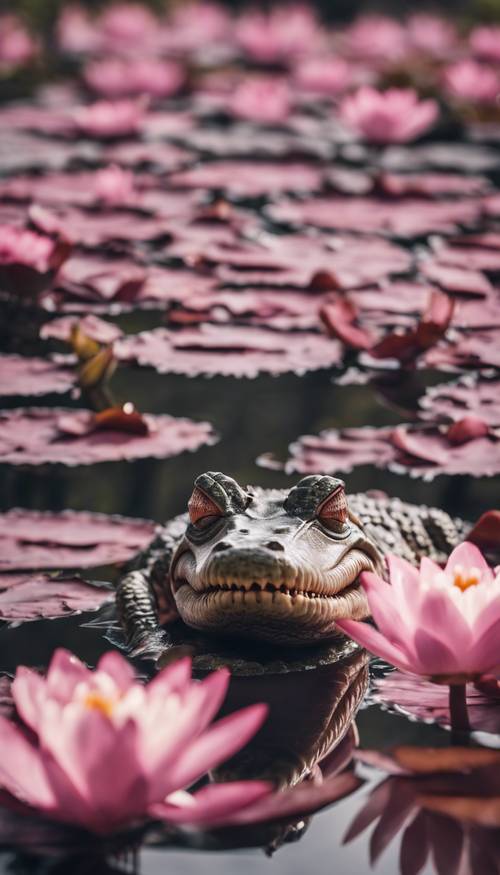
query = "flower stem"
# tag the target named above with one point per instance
(459, 717)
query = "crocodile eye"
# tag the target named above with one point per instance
(202, 510)
(333, 512)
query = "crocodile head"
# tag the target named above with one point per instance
(271, 565)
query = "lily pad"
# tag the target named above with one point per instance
(419, 451)
(429, 702)
(34, 597)
(229, 350)
(20, 375)
(468, 396)
(250, 178)
(34, 540)
(405, 218)
(37, 435)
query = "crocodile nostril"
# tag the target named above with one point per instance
(243, 532)
(274, 545)
(222, 545)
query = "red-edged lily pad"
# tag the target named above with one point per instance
(463, 448)
(467, 397)
(35, 436)
(34, 597)
(34, 540)
(20, 375)
(229, 350)
(429, 702)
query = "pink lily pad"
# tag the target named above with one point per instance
(93, 327)
(405, 218)
(478, 349)
(425, 701)
(95, 228)
(33, 540)
(468, 396)
(420, 452)
(20, 375)
(340, 263)
(26, 597)
(229, 350)
(467, 256)
(431, 185)
(37, 436)
(250, 178)
(166, 157)
(457, 280)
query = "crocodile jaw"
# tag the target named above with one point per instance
(280, 607)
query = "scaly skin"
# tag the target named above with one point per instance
(274, 565)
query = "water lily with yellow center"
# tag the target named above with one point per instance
(442, 624)
(103, 751)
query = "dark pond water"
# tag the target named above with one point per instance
(250, 416)
(310, 709)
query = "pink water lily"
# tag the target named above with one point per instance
(100, 750)
(433, 622)
(17, 46)
(262, 99)
(376, 38)
(110, 119)
(485, 42)
(114, 186)
(392, 116)
(284, 33)
(324, 75)
(20, 246)
(117, 77)
(469, 81)
(431, 34)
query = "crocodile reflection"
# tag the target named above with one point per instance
(309, 735)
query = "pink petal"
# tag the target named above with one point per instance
(371, 810)
(217, 745)
(21, 768)
(117, 668)
(302, 800)
(213, 803)
(440, 616)
(174, 678)
(433, 657)
(428, 570)
(385, 613)
(28, 690)
(469, 556)
(65, 672)
(374, 641)
(484, 656)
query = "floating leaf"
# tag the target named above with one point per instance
(420, 452)
(35, 436)
(468, 396)
(33, 540)
(405, 218)
(229, 350)
(250, 179)
(20, 375)
(35, 597)
(429, 702)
